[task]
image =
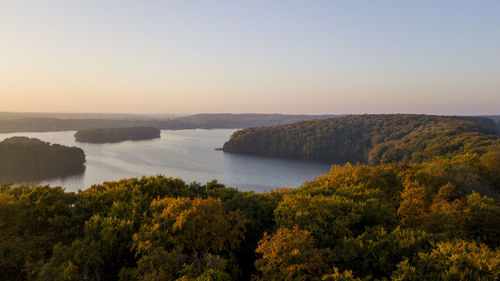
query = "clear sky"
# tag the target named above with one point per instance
(185, 56)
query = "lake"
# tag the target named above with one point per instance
(187, 154)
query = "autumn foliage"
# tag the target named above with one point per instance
(433, 220)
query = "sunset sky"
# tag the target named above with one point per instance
(440, 57)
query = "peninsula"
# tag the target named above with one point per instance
(25, 158)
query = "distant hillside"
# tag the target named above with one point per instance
(246, 120)
(11, 123)
(116, 134)
(373, 139)
(495, 118)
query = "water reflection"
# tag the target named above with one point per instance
(187, 154)
(35, 177)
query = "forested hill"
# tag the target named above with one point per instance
(10, 123)
(373, 139)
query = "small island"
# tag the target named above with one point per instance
(112, 135)
(23, 158)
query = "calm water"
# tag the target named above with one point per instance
(187, 154)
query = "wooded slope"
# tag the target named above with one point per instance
(373, 139)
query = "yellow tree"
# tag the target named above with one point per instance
(412, 210)
(456, 260)
(186, 238)
(290, 255)
(446, 213)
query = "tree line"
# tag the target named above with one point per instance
(46, 123)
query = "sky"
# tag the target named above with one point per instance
(272, 56)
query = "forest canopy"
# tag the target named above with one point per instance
(372, 139)
(111, 135)
(30, 158)
(387, 222)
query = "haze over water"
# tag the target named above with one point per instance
(187, 154)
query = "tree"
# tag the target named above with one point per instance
(457, 260)
(490, 162)
(340, 276)
(376, 252)
(328, 218)
(412, 210)
(187, 237)
(290, 255)
(446, 213)
(482, 219)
